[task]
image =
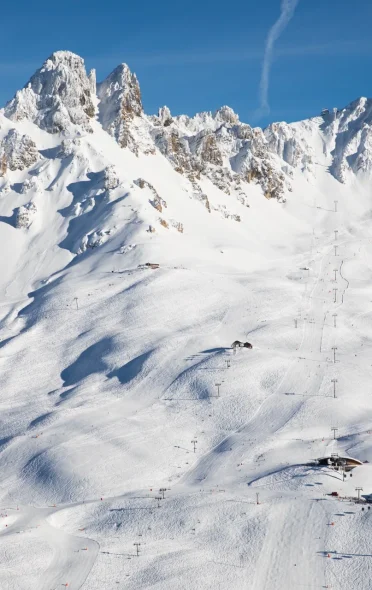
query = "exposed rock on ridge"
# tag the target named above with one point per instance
(221, 148)
(351, 133)
(17, 152)
(24, 215)
(61, 97)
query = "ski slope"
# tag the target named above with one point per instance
(110, 373)
(100, 449)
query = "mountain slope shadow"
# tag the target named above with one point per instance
(130, 370)
(88, 363)
(91, 199)
(82, 190)
(10, 220)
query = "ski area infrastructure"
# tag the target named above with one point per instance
(139, 449)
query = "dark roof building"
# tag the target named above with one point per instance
(336, 462)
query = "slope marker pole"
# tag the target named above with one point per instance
(334, 348)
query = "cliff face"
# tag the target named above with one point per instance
(349, 133)
(221, 148)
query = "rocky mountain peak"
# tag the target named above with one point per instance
(164, 116)
(120, 102)
(120, 95)
(349, 137)
(226, 114)
(93, 81)
(57, 96)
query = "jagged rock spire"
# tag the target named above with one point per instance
(57, 96)
(164, 116)
(227, 115)
(93, 81)
(120, 103)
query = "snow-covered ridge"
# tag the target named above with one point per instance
(61, 98)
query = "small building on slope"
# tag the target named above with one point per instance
(339, 463)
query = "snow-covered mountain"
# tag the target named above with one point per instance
(114, 371)
(61, 98)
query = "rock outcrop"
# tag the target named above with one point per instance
(93, 240)
(205, 147)
(68, 147)
(157, 202)
(110, 178)
(17, 152)
(24, 215)
(350, 134)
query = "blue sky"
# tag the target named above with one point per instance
(199, 55)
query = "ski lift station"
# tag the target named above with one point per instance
(339, 463)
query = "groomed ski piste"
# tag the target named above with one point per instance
(138, 450)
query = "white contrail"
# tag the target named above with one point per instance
(287, 9)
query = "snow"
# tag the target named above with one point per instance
(57, 96)
(109, 368)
